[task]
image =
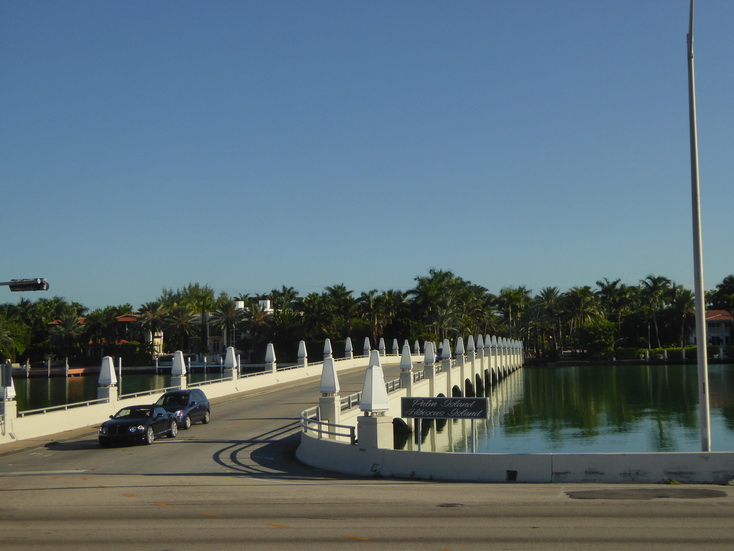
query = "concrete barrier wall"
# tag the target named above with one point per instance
(646, 468)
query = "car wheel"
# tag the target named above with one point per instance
(187, 422)
(207, 417)
(149, 435)
(173, 431)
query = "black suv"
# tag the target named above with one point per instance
(189, 406)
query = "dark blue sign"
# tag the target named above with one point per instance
(444, 408)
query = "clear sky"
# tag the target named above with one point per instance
(253, 144)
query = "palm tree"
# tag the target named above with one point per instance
(201, 297)
(368, 310)
(341, 302)
(66, 333)
(616, 300)
(655, 289)
(285, 329)
(286, 297)
(548, 309)
(255, 321)
(512, 302)
(435, 300)
(317, 317)
(99, 328)
(682, 304)
(581, 306)
(152, 316)
(445, 319)
(182, 320)
(7, 341)
(227, 317)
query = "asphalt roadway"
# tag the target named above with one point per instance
(235, 484)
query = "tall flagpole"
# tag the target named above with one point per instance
(701, 340)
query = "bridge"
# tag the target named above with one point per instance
(353, 434)
(235, 483)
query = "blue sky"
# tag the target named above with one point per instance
(253, 144)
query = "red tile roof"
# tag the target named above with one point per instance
(718, 315)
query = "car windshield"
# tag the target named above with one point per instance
(134, 413)
(173, 400)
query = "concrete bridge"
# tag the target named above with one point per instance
(354, 434)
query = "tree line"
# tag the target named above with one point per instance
(611, 318)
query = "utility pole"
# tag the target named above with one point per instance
(701, 339)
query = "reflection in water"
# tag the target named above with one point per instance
(41, 392)
(595, 409)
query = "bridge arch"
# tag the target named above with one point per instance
(478, 385)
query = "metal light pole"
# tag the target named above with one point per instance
(701, 339)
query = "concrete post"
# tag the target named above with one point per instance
(366, 347)
(488, 354)
(395, 347)
(230, 363)
(446, 365)
(375, 431)
(406, 370)
(381, 347)
(468, 366)
(429, 367)
(330, 410)
(481, 362)
(330, 402)
(270, 360)
(107, 382)
(328, 352)
(10, 406)
(10, 415)
(302, 354)
(460, 363)
(349, 349)
(495, 358)
(178, 371)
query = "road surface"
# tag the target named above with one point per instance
(235, 484)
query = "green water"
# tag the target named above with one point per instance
(594, 409)
(582, 409)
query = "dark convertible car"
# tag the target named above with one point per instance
(189, 406)
(137, 424)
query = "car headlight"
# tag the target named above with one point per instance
(140, 428)
(103, 430)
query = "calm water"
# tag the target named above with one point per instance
(40, 392)
(596, 409)
(637, 408)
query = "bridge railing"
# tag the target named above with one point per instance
(147, 392)
(310, 422)
(62, 407)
